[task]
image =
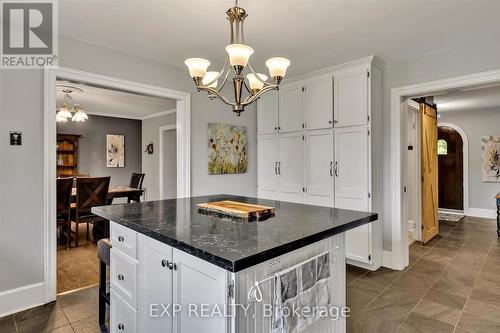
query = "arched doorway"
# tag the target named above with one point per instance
(451, 168)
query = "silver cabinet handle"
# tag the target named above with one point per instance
(121, 239)
(331, 167)
(279, 168)
(336, 169)
(275, 168)
(164, 263)
(172, 266)
(121, 277)
(121, 327)
(335, 121)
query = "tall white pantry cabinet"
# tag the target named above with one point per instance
(320, 143)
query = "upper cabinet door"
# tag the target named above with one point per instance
(318, 111)
(267, 113)
(351, 97)
(319, 168)
(290, 167)
(198, 282)
(290, 106)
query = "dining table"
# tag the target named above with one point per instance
(117, 191)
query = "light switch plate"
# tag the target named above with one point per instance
(16, 138)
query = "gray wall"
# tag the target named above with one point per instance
(151, 163)
(476, 124)
(92, 146)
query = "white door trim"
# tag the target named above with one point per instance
(183, 153)
(465, 151)
(398, 95)
(160, 173)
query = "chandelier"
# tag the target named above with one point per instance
(238, 55)
(65, 112)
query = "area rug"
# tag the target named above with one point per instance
(450, 218)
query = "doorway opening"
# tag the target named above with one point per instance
(451, 169)
(168, 162)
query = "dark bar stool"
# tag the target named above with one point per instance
(103, 253)
(136, 182)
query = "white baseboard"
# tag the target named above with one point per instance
(481, 212)
(19, 299)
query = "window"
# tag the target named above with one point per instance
(442, 147)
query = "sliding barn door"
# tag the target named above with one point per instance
(430, 195)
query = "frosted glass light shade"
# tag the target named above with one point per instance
(60, 118)
(197, 67)
(239, 54)
(277, 66)
(64, 112)
(255, 83)
(80, 115)
(209, 77)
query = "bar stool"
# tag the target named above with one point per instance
(103, 253)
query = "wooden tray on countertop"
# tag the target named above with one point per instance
(237, 209)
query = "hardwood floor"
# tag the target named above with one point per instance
(77, 267)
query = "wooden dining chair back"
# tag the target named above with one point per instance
(136, 182)
(90, 192)
(63, 210)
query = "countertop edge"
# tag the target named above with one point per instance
(239, 265)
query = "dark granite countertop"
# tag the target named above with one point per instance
(232, 245)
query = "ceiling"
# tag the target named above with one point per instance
(469, 99)
(312, 34)
(112, 103)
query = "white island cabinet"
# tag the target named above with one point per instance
(177, 269)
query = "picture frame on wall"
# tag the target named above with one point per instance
(490, 152)
(227, 149)
(115, 150)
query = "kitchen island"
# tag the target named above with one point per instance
(174, 269)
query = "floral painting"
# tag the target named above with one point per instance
(115, 151)
(491, 158)
(227, 149)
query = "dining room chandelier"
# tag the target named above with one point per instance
(65, 112)
(238, 55)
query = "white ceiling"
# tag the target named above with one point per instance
(469, 99)
(313, 34)
(106, 102)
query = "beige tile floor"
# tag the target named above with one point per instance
(452, 285)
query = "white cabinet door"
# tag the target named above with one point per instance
(268, 166)
(351, 186)
(318, 110)
(267, 113)
(198, 282)
(123, 318)
(155, 281)
(351, 97)
(290, 108)
(318, 164)
(290, 167)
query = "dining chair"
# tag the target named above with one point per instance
(136, 182)
(90, 192)
(63, 210)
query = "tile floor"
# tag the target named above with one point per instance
(451, 285)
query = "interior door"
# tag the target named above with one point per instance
(351, 186)
(430, 195)
(319, 168)
(451, 169)
(155, 279)
(290, 167)
(268, 166)
(318, 103)
(290, 108)
(267, 113)
(198, 282)
(351, 98)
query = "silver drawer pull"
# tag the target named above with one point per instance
(121, 277)
(121, 327)
(164, 263)
(121, 239)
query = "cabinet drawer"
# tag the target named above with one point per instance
(123, 272)
(124, 239)
(123, 319)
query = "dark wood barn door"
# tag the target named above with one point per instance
(451, 169)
